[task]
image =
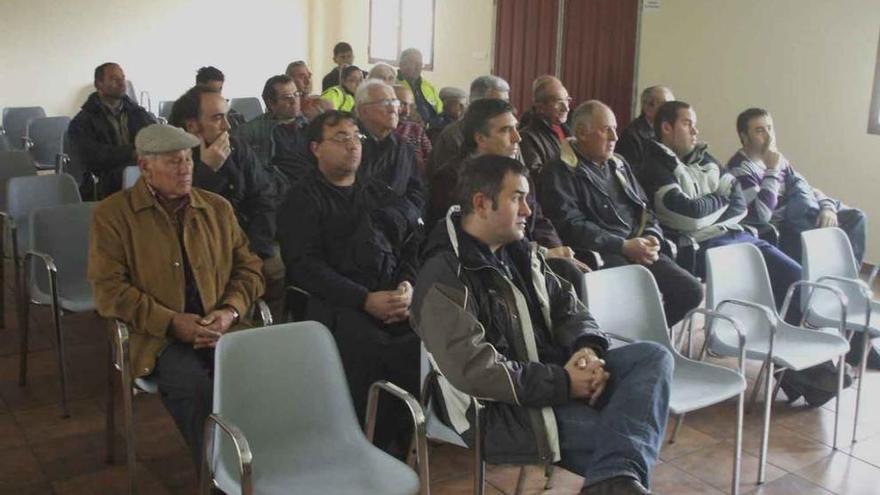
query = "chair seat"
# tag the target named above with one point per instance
(147, 385)
(795, 348)
(74, 296)
(437, 430)
(328, 469)
(823, 313)
(696, 385)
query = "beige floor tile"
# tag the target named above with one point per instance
(714, 465)
(841, 473)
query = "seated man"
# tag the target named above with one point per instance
(428, 103)
(547, 129)
(226, 166)
(596, 204)
(454, 104)
(102, 133)
(341, 96)
(640, 132)
(501, 327)
(172, 262)
(409, 127)
(777, 194)
(343, 56)
(352, 243)
(383, 72)
(213, 78)
(282, 98)
(692, 196)
(310, 105)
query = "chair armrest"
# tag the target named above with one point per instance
(242, 449)
(712, 315)
(772, 319)
(27, 143)
(419, 429)
(620, 337)
(841, 300)
(52, 270)
(62, 160)
(47, 260)
(859, 284)
(261, 309)
(873, 276)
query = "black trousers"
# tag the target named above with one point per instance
(681, 291)
(185, 377)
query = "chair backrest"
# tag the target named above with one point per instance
(165, 109)
(4, 143)
(827, 252)
(249, 107)
(130, 91)
(62, 232)
(15, 122)
(130, 175)
(24, 194)
(47, 134)
(643, 319)
(13, 164)
(285, 388)
(738, 271)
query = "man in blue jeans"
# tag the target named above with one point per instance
(502, 327)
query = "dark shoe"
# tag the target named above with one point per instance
(619, 485)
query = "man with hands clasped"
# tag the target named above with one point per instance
(501, 327)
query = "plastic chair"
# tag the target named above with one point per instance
(4, 143)
(283, 418)
(45, 141)
(72, 165)
(12, 164)
(250, 107)
(130, 176)
(827, 258)
(15, 123)
(738, 285)
(695, 384)
(59, 237)
(120, 361)
(165, 109)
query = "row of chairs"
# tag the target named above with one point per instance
(29, 129)
(250, 107)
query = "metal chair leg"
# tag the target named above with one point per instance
(62, 362)
(479, 465)
(866, 348)
(127, 412)
(737, 446)
(23, 318)
(678, 421)
(778, 383)
(841, 370)
(110, 415)
(520, 481)
(548, 475)
(765, 434)
(757, 388)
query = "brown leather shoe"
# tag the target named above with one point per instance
(619, 485)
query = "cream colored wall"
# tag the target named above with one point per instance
(810, 62)
(50, 48)
(463, 38)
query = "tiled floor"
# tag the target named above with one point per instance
(41, 453)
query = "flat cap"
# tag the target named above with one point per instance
(162, 138)
(452, 93)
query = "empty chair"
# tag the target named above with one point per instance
(828, 258)
(738, 285)
(55, 269)
(15, 122)
(250, 107)
(24, 194)
(165, 109)
(284, 421)
(45, 141)
(695, 384)
(130, 176)
(12, 164)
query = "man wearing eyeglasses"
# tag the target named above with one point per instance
(385, 156)
(347, 241)
(546, 130)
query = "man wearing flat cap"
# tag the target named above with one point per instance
(173, 263)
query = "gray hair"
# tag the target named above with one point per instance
(408, 52)
(376, 68)
(541, 85)
(452, 93)
(483, 84)
(362, 95)
(648, 95)
(294, 65)
(583, 114)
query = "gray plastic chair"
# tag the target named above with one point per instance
(695, 384)
(15, 122)
(738, 285)
(120, 362)
(130, 176)
(12, 164)
(59, 238)
(4, 143)
(250, 107)
(284, 422)
(828, 258)
(165, 109)
(45, 141)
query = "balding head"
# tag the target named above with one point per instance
(551, 99)
(652, 98)
(595, 129)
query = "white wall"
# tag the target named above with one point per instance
(50, 48)
(810, 62)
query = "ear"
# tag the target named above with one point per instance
(666, 128)
(481, 203)
(313, 147)
(192, 126)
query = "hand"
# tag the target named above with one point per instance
(826, 218)
(404, 289)
(220, 320)
(772, 158)
(566, 252)
(642, 250)
(388, 305)
(186, 328)
(215, 155)
(588, 376)
(725, 184)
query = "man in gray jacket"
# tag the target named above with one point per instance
(500, 326)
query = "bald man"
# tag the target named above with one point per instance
(640, 131)
(546, 130)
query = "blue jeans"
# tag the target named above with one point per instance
(622, 435)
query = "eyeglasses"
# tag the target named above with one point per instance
(295, 96)
(346, 139)
(387, 103)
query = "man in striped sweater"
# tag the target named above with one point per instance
(778, 195)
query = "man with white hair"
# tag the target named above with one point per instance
(427, 97)
(383, 72)
(596, 204)
(386, 157)
(448, 144)
(546, 129)
(640, 131)
(454, 104)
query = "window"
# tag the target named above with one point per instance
(874, 113)
(396, 25)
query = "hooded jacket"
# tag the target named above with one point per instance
(476, 326)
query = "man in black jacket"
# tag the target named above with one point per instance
(502, 327)
(102, 134)
(227, 166)
(547, 130)
(640, 132)
(352, 243)
(594, 201)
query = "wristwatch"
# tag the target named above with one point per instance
(235, 314)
